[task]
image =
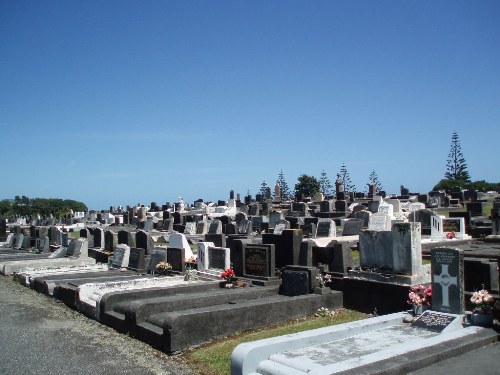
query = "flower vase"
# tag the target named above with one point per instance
(418, 310)
(482, 320)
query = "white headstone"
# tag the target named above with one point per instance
(179, 241)
(379, 222)
(202, 261)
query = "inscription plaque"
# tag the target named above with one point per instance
(433, 321)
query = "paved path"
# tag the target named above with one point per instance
(42, 336)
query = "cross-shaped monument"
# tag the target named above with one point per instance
(445, 280)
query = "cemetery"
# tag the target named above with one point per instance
(177, 276)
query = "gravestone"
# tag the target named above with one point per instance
(352, 227)
(121, 256)
(274, 218)
(70, 252)
(298, 280)
(363, 215)
(281, 226)
(215, 227)
(110, 240)
(325, 206)
(19, 241)
(168, 225)
(341, 206)
(157, 256)
(379, 222)
(177, 259)
(258, 260)
(245, 227)
(424, 217)
(136, 261)
(190, 228)
(201, 227)
(9, 242)
(43, 244)
(144, 241)
(149, 224)
(219, 258)
(179, 241)
(386, 208)
(287, 246)
(337, 256)
(447, 269)
(123, 237)
(99, 238)
(326, 228)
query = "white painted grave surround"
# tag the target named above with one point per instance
(438, 224)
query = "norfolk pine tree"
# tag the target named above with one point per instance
(456, 167)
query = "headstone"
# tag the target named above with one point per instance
(99, 238)
(326, 228)
(136, 261)
(190, 228)
(121, 256)
(337, 256)
(274, 218)
(110, 240)
(287, 246)
(201, 227)
(258, 260)
(245, 227)
(168, 225)
(325, 206)
(144, 241)
(179, 241)
(177, 259)
(379, 222)
(352, 227)
(157, 256)
(215, 227)
(295, 283)
(447, 267)
(219, 258)
(281, 226)
(386, 208)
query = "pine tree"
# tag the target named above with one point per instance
(373, 178)
(263, 188)
(286, 194)
(346, 179)
(325, 186)
(456, 167)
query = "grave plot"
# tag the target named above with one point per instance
(382, 344)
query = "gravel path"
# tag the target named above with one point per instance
(43, 336)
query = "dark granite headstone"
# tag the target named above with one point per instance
(287, 246)
(447, 266)
(215, 227)
(176, 258)
(121, 256)
(144, 241)
(295, 283)
(216, 258)
(157, 256)
(110, 240)
(59, 253)
(258, 260)
(70, 252)
(136, 259)
(338, 257)
(451, 225)
(352, 227)
(432, 321)
(325, 228)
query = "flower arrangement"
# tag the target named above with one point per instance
(163, 268)
(450, 235)
(321, 280)
(483, 302)
(325, 312)
(228, 275)
(420, 295)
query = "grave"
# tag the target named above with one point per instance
(326, 228)
(157, 256)
(379, 221)
(287, 246)
(121, 256)
(447, 280)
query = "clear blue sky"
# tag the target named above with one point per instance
(120, 102)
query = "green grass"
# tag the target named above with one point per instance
(214, 358)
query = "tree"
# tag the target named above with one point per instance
(325, 186)
(263, 189)
(307, 186)
(286, 194)
(346, 179)
(456, 167)
(374, 180)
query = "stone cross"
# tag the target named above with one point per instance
(445, 280)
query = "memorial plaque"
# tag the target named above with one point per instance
(433, 321)
(352, 227)
(451, 225)
(120, 256)
(216, 258)
(258, 260)
(176, 258)
(136, 259)
(158, 255)
(447, 268)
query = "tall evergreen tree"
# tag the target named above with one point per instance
(346, 179)
(325, 186)
(263, 188)
(374, 180)
(286, 194)
(456, 167)
(307, 185)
